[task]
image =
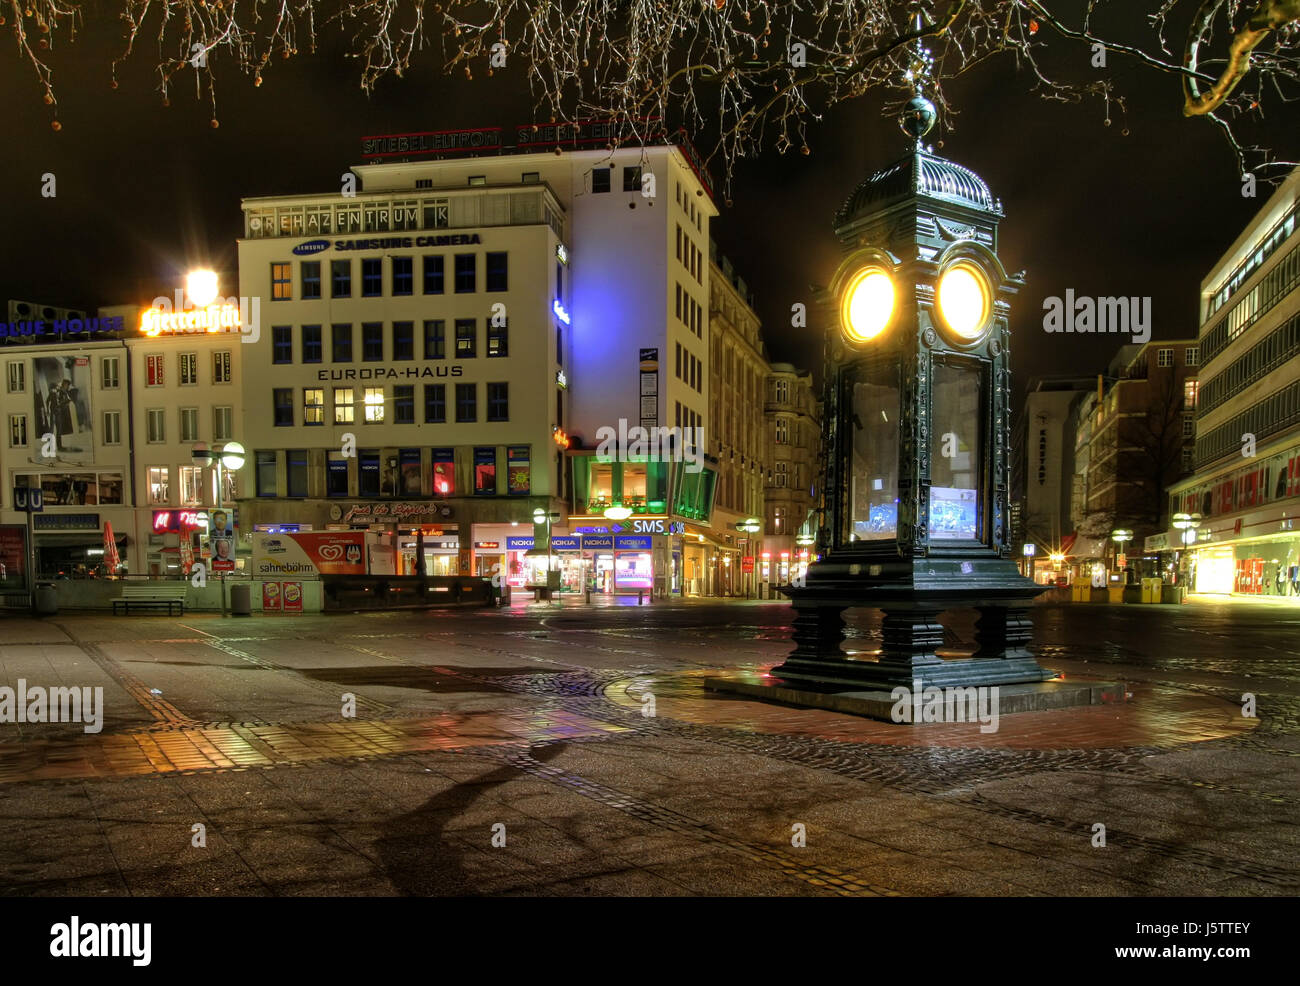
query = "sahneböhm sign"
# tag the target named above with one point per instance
(309, 554)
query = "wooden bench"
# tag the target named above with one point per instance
(155, 595)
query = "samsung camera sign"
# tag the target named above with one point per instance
(310, 247)
(387, 243)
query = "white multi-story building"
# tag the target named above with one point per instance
(433, 341)
(1245, 493)
(66, 412)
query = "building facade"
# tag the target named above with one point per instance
(794, 440)
(445, 347)
(1242, 500)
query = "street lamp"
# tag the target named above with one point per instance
(751, 526)
(542, 516)
(201, 287)
(1120, 536)
(1187, 524)
(229, 456)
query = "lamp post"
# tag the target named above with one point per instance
(543, 516)
(229, 456)
(750, 526)
(1187, 525)
(917, 433)
(1120, 536)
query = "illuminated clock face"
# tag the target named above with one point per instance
(964, 301)
(868, 304)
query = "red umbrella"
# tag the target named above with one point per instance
(111, 558)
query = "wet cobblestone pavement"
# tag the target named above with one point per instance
(534, 719)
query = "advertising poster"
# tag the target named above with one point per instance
(221, 541)
(271, 597)
(61, 387)
(309, 554)
(13, 556)
(518, 474)
(292, 594)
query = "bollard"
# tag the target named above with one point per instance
(640, 597)
(588, 594)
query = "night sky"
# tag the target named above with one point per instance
(144, 192)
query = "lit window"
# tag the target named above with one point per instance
(313, 406)
(343, 406)
(159, 486)
(281, 282)
(374, 402)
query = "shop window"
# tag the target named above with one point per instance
(368, 472)
(444, 472)
(485, 471)
(296, 472)
(336, 474)
(408, 464)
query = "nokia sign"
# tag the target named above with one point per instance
(310, 247)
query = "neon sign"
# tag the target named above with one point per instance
(560, 313)
(214, 318)
(179, 520)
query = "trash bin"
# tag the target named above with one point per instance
(1173, 594)
(241, 599)
(1151, 590)
(47, 598)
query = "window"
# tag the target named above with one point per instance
(498, 338)
(1192, 355)
(153, 371)
(17, 377)
(372, 277)
(435, 341)
(341, 343)
(783, 431)
(189, 366)
(782, 478)
(466, 338)
(340, 278)
(336, 474)
(409, 473)
(433, 275)
(374, 402)
(444, 472)
(189, 424)
(313, 405)
(156, 424)
(496, 271)
(368, 472)
(159, 485)
(108, 378)
(466, 402)
(477, 181)
(372, 342)
(498, 402)
(282, 344)
(282, 404)
(311, 344)
(531, 177)
(265, 473)
(344, 411)
(403, 340)
(112, 427)
(223, 423)
(309, 271)
(281, 282)
(1190, 390)
(404, 404)
(424, 183)
(485, 471)
(221, 367)
(600, 179)
(295, 474)
(1189, 425)
(632, 179)
(466, 268)
(403, 275)
(435, 403)
(191, 478)
(1187, 459)
(17, 430)
(1164, 357)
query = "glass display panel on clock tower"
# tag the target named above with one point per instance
(957, 496)
(871, 434)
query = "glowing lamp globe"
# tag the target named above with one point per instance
(201, 286)
(868, 304)
(232, 456)
(964, 301)
(618, 513)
